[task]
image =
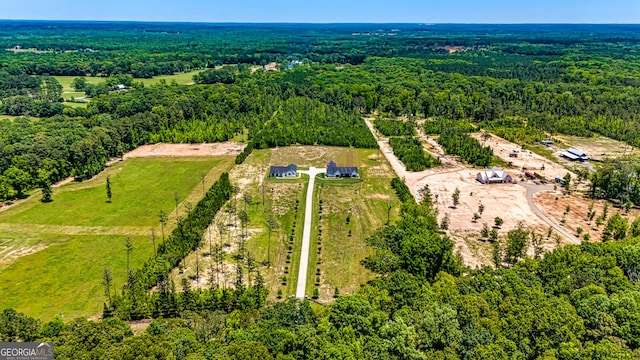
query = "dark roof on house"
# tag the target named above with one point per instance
(282, 169)
(333, 168)
(345, 169)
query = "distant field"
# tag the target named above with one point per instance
(57, 251)
(66, 81)
(181, 79)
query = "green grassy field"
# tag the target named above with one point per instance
(181, 79)
(55, 252)
(66, 81)
(364, 200)
(65, 278)
(140, 187)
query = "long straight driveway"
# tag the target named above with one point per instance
(306, 232)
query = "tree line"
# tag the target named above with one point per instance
(80, 141)
(134, 302)
(409, 150)
(394, 127)
(402, 190)
(469, 149)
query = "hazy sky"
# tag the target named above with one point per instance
(413, 11)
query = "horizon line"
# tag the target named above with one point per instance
(321, 23)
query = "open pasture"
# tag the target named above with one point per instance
(52, 255)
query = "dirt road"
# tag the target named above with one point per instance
(532, 189)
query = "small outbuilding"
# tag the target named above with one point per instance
(494, 176)
(546, 143)
(560, 181)
(288, 171)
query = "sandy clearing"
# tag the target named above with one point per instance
(272, 66)
(508, 201)
(554, 204)
(205, 149)
(527, 160)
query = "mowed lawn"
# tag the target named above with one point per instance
(140, 189)
(66, 244)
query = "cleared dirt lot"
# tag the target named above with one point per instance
(160, 149)
(507, 201)
(526, 159)
(554, 204)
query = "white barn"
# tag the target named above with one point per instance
(494, 176)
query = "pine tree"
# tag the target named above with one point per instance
(46, 191)
(128, 246)
(109, 194)
(455, 197)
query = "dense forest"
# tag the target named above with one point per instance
(409, 150)
(515, 131)
(469, 149)
(512, 71)
(395, 127)
(520, 82)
